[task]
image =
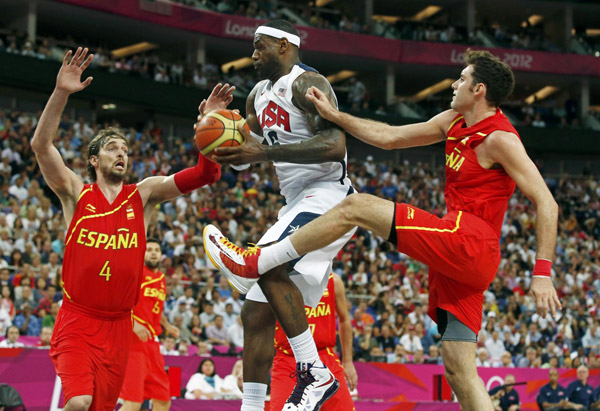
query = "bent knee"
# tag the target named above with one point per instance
(351, 206)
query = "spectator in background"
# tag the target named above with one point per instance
(366, 343)
(386, 340)
(168, 346)
(28, 323)
(529, 359)
(45, 337)
(552, 396)
(482, 359)
(235, 333)
(505, 361)
(217, 333)
(579, 393)
(356, 94)
(205, 384)
(233, 383)
(12, 336)
(50, 319)
(410, 341)
(495, 346)
(505, 397)
(434, 356)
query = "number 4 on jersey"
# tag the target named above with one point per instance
(105, 272)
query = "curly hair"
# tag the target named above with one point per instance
(496, 75)
(98, 142)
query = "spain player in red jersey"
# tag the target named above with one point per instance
(321, 321)
(105, 246)
(485, 159)
(146, 377)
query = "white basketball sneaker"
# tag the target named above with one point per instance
(314, 386)
(239, 265)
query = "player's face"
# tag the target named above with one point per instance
(463, 94)
(553, 376)
(266, 61)
(152, 256)
(113, 159)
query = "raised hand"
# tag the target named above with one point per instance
(69, 75)
(220, 97)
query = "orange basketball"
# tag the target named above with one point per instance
(219, 128)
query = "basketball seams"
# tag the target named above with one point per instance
(216, 134)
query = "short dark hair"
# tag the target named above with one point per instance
(98, 142)
(282, 25)
(153, 240)
(199, 371)
(495, 74)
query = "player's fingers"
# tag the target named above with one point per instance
(87, 62)
(236, 111)
(82, 56)
(223, 90)
(66, 57)
(216, 89)
(557, 300)
(201, 106)
(76, 55)
(87, 81)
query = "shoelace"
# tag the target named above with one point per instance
(251, 250)
(303, 379)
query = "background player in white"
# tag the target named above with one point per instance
(310, 160)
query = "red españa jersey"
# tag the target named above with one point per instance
(470, 187)
(104, 253)
(149, 308)
(321, 321)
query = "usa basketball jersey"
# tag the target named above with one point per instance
(284, 123)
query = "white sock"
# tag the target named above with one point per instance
(254, 395)
(276, 255)
(305, 349)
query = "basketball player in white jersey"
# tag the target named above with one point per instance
(309, 154)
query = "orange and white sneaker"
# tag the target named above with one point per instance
(239, 265)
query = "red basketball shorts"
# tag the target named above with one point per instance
(145, 377)
(90, 356)
(462, 252)
(282, 385)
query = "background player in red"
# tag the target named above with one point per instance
(321, 321)
(146, 377)
(484, 160)
(105, 246)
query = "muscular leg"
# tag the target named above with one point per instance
(259, 331)
(461, 373)
(363, 210)
(285, 300)
(78, 403)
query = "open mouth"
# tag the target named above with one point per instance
(120, 165)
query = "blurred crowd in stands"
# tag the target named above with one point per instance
(353, 94)
(387, 290)
(527, 36)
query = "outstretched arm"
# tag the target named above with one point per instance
(345, 325)
(328, 143)
(379, 134)
(507, 150)
(62, 180)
